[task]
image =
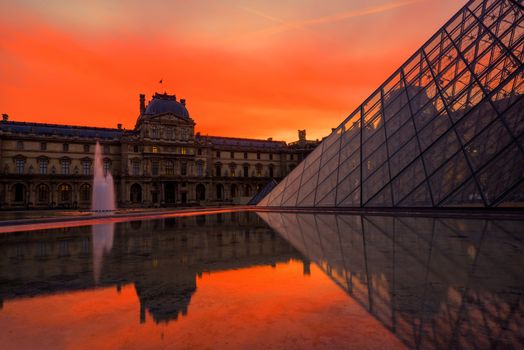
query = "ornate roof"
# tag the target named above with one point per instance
(165, 103)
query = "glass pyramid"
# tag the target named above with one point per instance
(446, 129)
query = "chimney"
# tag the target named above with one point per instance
(183, 101)
(119, 126)
(142, 103)
(270, 139)
(5, 117)
(302, 135)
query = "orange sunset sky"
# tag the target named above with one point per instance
(247, 68)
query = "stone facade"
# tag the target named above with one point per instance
(161, 162)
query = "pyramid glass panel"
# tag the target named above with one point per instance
(445, 129)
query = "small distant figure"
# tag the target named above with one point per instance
(160, 81)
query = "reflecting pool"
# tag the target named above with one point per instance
(249, 280)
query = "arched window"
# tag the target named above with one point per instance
(220, 191)
(64, 192)
(234, 191)
(85, 192)
(200, 192)
(136, 193)
(42, 193)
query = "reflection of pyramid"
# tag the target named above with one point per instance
(446, 129)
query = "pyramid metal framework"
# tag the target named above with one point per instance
(446, 129)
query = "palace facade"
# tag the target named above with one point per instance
(161, 162)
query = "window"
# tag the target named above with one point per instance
(65, 164)
(169, 133)
(64, 191)
(218, 170)
(154, 168)
(106, 149)
(270, 156)
(43, 146)
(232, 155)
(136, 168)
(246, 170)
(199, 151)
(218, 154)
(170, 169)
(107, 166)
(86, 167)
(65, 147)
(200, 169)
(183, 168)
(290, 157)
(19, 145)
(245, 155)
(271, 172)
(183, 150)
(42, 193)
(42, 165)
(135, 148)
(20, 164)
(155, 133)
(259, 170)
(19, 193)
(154, 149)
(85, 192)
(258, 155)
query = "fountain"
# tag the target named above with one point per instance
(103, 187)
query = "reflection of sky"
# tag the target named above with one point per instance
(296, 63)
(259, 307)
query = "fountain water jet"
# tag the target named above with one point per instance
(103, 200)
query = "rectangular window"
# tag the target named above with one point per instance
(232, 154)
(19, 145)
(154, 149)
(107, 166)
(65, 147)
(245, 155)
(200, 169)
(42, 164)
(246, 171)
(183, 169)
(183, 150)
(154, 168)
(86, 167)
(106, 149)
(86, 148)
(270, 156)
(65, 166)
(169, 133)
(258, 155)
(136, 168)
(199, 151)
(170, 169)
(43, 146)
(135, 149)
(218, 170)
(218, 154)
(20, 163)
(290, 157)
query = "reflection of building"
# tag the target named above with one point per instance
(436, 283)
(160, 257)
(160, 162)
(446, 129)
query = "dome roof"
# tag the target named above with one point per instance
(164, 103)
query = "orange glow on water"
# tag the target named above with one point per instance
(253, 308)
(295, 65)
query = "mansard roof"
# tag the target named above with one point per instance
(43, 129)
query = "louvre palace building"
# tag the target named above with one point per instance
(161, 162)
